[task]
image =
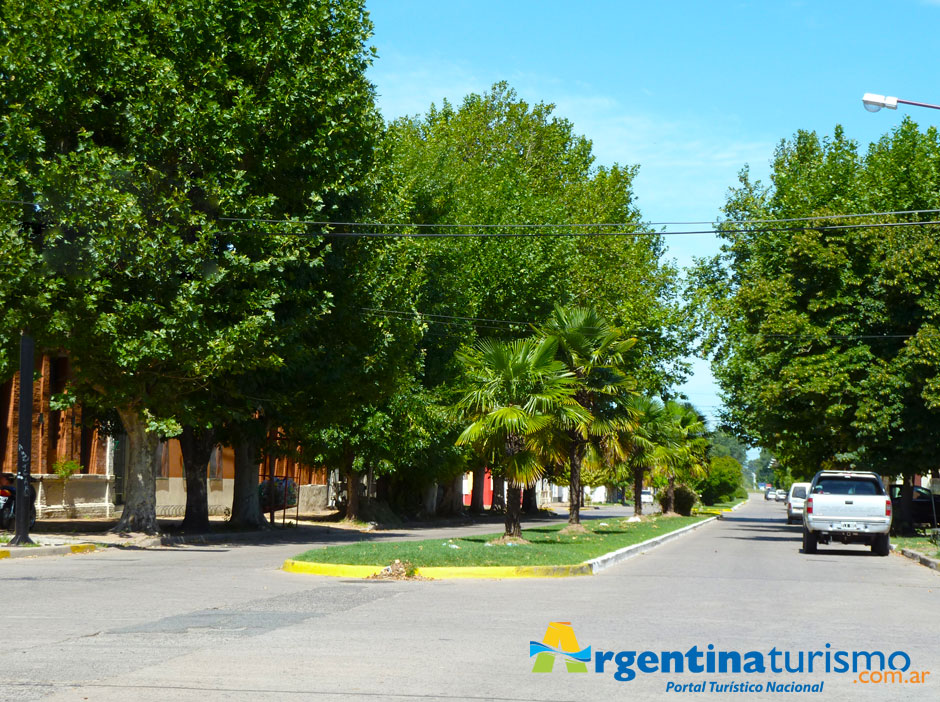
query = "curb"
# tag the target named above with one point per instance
(595, 565)
(340, 570)
(614, 557)
(32, 552)
(916, 556)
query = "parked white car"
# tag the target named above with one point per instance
(796, 497)
(646, 496)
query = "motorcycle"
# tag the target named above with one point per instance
(8, 503)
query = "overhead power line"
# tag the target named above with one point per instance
(529, 225)
(549, 225)
(559, 234)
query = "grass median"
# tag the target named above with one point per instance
(547, 546)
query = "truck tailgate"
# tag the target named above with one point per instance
(848, 506)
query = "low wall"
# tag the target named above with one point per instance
(312, 498)
(171, 496)
(81, 496)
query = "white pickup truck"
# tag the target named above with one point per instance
(847, 506)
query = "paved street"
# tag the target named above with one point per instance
(223, 623)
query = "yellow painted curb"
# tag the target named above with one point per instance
(82, 548)
(441, 572)
(565, 571)
(337, 570)
(4, 554)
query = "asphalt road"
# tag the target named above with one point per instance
(223, 623)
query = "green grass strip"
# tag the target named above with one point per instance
(921, 544)
(547, 547)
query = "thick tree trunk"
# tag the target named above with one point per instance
(574, 491)
(353, 511)
(530, 503)
(452, 503)
(670, 502)
(638, 491)
(513, 504)
(246, 505)
(904, 522)
(499, 498)
(196, 447)
(476, 491)
(383, 488)
(140, 488)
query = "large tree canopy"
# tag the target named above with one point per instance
(496, 160)
(143, 131)
(825, 332)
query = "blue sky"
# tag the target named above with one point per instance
(691, 91)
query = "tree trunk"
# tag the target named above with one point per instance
(383, 488)
(574, 490)
(637, 491)
(499, 497)
(513, 504)
(353, 512)
(452, 503)
(246, 505)
(196, 447)
(479, 485)
(530, 503)
(140, 488)
(904, 522)
(670, 502)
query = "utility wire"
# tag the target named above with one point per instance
(621, 225)
(556, 234)
(570, 225)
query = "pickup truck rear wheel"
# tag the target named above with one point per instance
(881, 545)
(809, 541)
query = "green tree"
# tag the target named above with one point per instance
(596, 353)
(824, 333)
(723, 480)
(518, 398)
(685, 447)
(496, 160)
(723, 444)
(137, 128)
(645, 444)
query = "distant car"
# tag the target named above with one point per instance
(770, 494)
(796, 498)
(646, 496)
(781, 495)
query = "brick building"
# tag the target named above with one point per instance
(98, 489)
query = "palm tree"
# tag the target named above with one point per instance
(595, 352)
(683, 454)
(646, 445)
(518, 398)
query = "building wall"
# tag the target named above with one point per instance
(56, 434)
(59, 435)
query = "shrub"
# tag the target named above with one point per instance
(275, 498)
(66, 468)
(686, 498)
(724, 479)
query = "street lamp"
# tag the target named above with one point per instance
(874, 102)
